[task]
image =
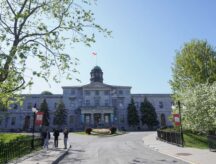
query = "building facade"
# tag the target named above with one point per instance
(93, 105)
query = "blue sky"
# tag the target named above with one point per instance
(146, 35)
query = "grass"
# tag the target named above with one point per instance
(82, 133)
(11, 149)
(7, 137)
(195, 140)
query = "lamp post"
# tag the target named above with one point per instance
(181, 131)
(34, 110)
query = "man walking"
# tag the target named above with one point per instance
(46, 136)
(65, 137)
(56, 135)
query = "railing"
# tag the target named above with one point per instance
(212, 142)
(170, 137)
(17, 148)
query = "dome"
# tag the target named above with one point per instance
(96, 74)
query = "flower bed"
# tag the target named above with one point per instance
(101, 131)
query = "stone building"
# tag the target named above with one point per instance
(93, 105)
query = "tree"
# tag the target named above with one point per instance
(46, 93)
(44, 108)
(148, 114)
(133, 118)
(194, 64)
(60, 115)
(199, 110)
(41, 30)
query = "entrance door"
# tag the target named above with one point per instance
(26, 123)
(97, 119)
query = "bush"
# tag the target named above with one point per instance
(88, 130)
(113, 130)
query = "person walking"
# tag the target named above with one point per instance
(46, 137)
(65, 137)
(56, 135)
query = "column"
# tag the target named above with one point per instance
(92, 118)
(102, 118)
(111, 117)
(82, 118)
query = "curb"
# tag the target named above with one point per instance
(61, 156)
(156, 149)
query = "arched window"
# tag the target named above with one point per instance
(163, 120)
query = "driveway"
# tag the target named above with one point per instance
(121, 149)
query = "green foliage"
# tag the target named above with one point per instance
(44, 108)
(194, 64)
(41, 30)
(8, 137)
(88, 131)
(133, 118)
(60, 115)
(148, 114)
(46, 93)
(199, 110)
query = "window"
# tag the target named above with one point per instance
(137, 105)
(6, 121)
(160, 104)
(72, 104)
(120, 92)
(97, 93)
(13, 120)
(1, 120)
(121, 103)
(55, 105)
(15, 106)
(106, 92)
(114, 102)
(106, 118)
(73, 92)
(163, 120)
(87, 102)
(87, 92)
(106, 102)
(87, 118)
(29, 106)
(71, 119)
(97, 102)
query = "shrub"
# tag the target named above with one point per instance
(88, 130)
(113, 130)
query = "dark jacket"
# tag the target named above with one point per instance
(66, 133)
(45, 135)
(56, 133)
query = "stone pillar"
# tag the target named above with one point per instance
(102, 118)
(92, 118)
(82, 118)
(111, 117)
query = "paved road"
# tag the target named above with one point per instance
(122, 149)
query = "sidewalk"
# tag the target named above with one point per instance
(190, 155)
(51, 156)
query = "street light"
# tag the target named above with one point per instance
(34, 110)
(181, 131)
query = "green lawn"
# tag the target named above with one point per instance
(195, 140)
(7, 137)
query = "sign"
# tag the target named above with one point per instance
(39, 118)
(176, 119)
